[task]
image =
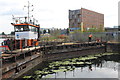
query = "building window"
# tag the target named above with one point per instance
(79, 15)
(78, 11)
(78, 20)
(72, 16)
(73, 12)
(75, 16)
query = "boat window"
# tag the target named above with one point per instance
(21, 28)
(33, 29)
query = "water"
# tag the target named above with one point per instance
(92, 66)
(86, 72)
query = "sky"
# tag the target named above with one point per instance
(54, 13)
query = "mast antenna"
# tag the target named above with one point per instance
(28, 7)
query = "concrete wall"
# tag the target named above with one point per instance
(72, 54)
(113, 47)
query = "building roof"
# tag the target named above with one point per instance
(92, 11)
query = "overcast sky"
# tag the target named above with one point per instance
(54, 13)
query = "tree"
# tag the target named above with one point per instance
(12, 33)
(67, 31)
(48, 30)
(40, 32)
(3, 33)
(44, 31)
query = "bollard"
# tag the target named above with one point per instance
(15, 59)
(24, 55)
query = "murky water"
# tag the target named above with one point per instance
(92, 66)
(87, 72)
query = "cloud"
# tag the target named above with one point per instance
(8, 7)
(55, 12)
(12, 12)
(45, 10)
(4, 3)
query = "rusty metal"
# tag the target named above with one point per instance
(45, 53)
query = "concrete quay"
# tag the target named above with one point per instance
(21, 62)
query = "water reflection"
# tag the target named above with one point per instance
(91, 71)
(95, 66)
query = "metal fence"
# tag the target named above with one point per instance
(102, 36)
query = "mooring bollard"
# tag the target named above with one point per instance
(24, 55)
(15, 58)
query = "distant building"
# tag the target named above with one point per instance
(115, 29)
(53, 31)
(86, 19)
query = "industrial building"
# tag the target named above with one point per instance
(86, 19)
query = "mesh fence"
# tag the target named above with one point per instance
(102, 36)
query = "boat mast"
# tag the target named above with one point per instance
(28, 7)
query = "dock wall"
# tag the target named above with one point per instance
(49, 54)
(113, 47)
(72, 54)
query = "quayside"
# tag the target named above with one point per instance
(91, 65)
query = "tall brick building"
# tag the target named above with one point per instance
(86, 19)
